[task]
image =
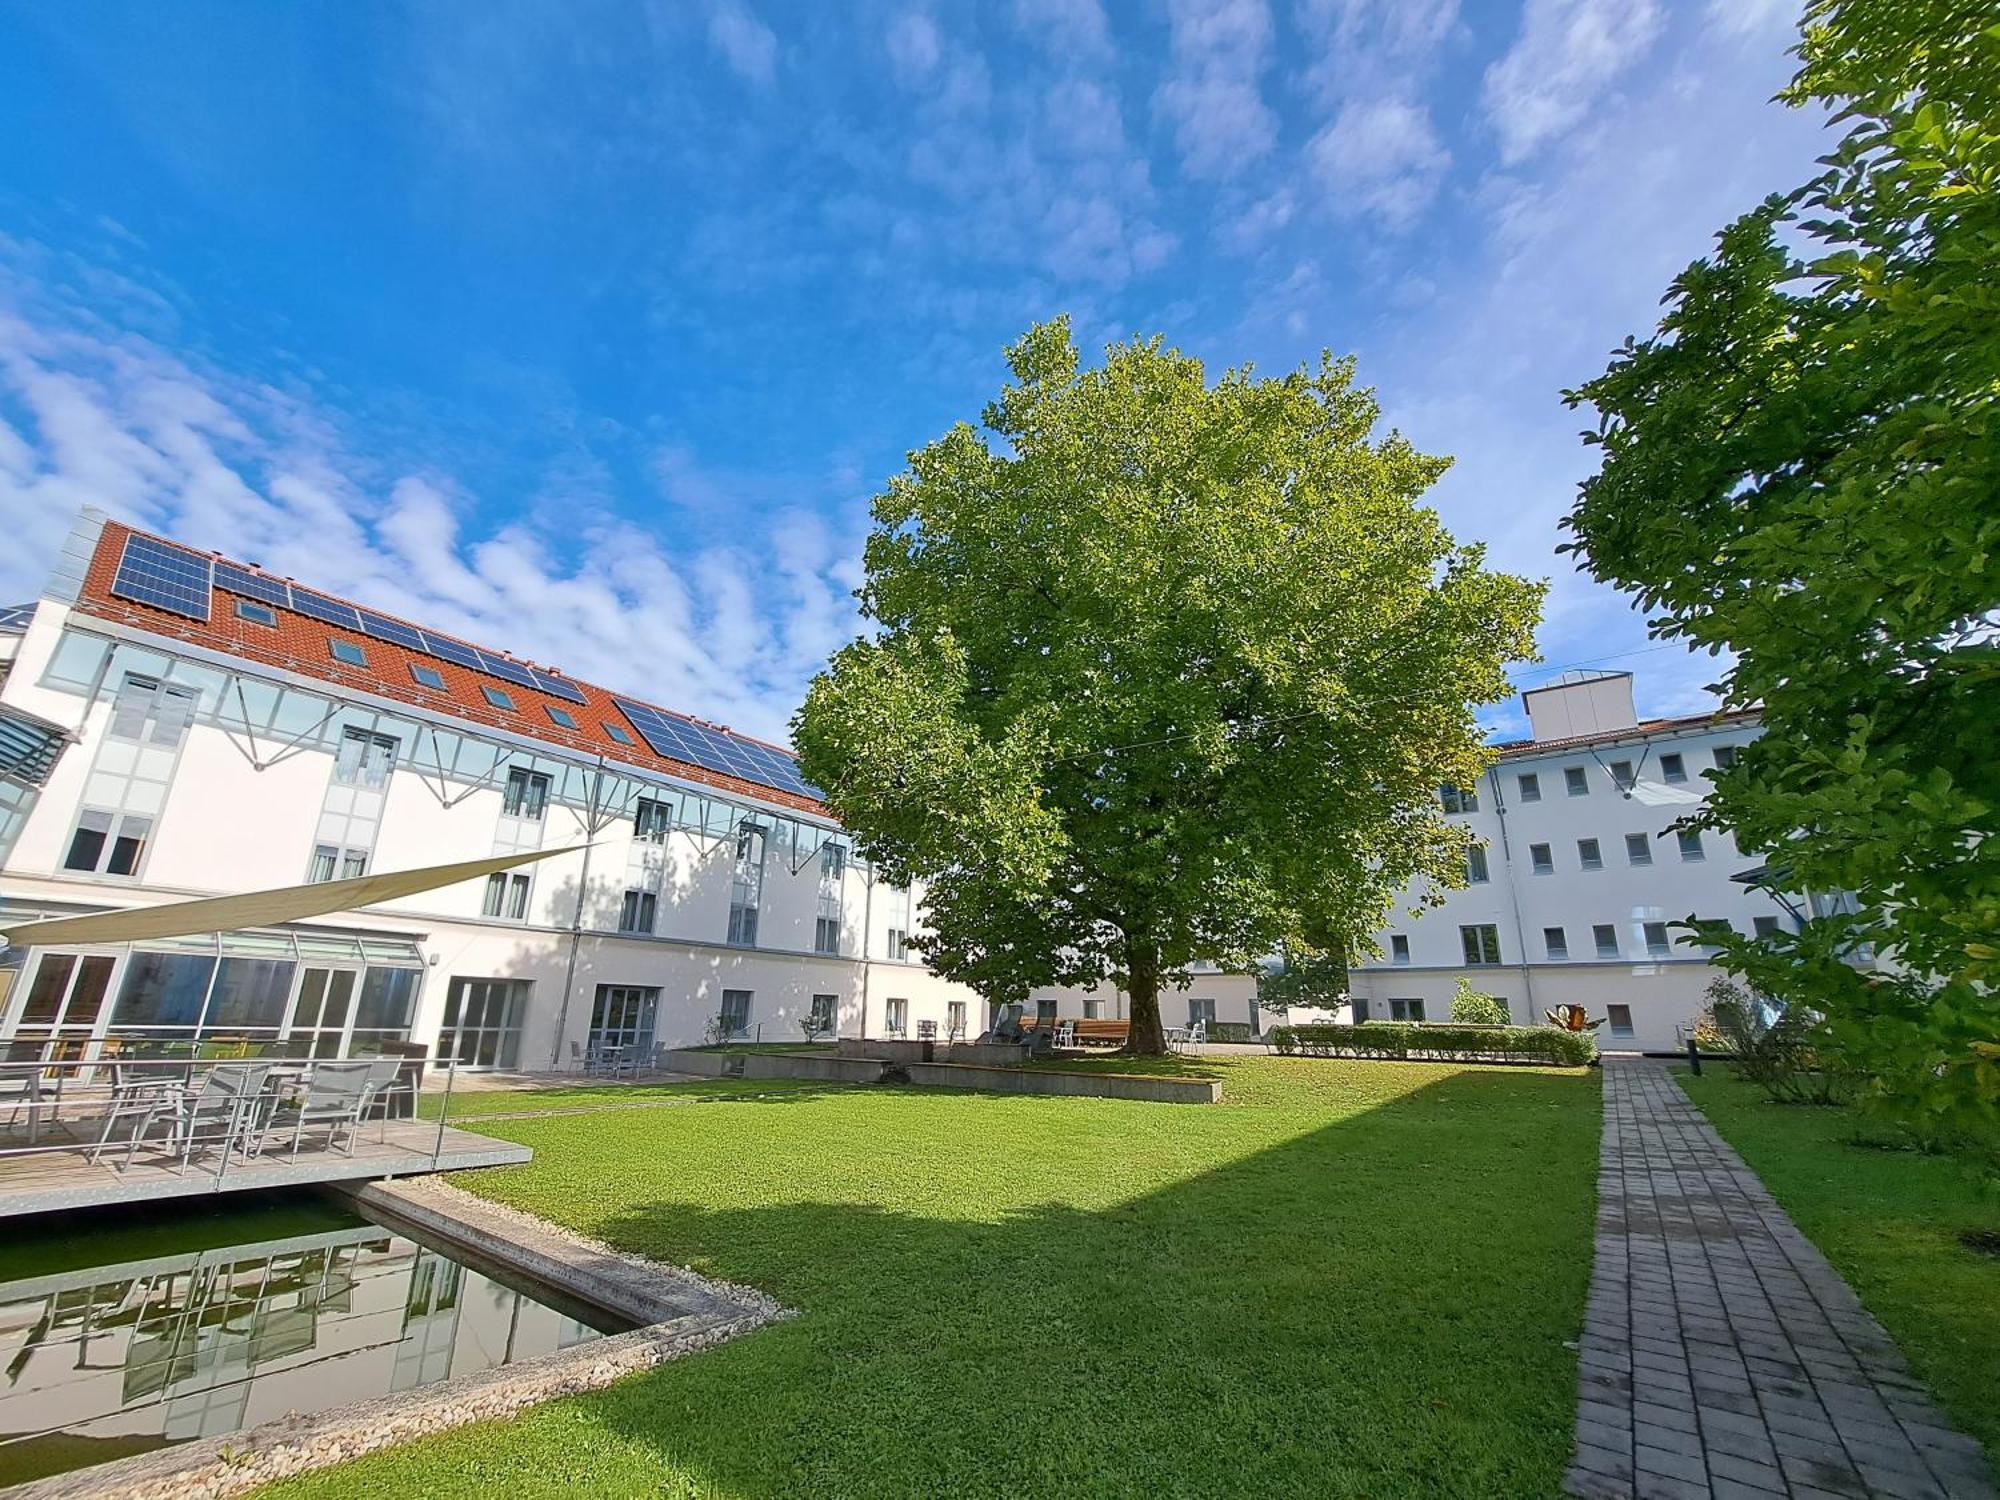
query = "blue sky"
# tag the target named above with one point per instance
(588, 329)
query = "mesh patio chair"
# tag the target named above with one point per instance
(137, 1093)
(336, 1096)
(225, 1109)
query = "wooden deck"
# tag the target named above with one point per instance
(65, 1178)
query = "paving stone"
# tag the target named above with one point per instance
(1722, 1357)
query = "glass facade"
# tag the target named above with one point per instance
(482, 1022)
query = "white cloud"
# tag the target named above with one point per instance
(89, 416)
(915, 47)
(1568, 53)
(745, 43)
(1365, 43)
(1380, 158)
(1065, 28)
(1212, 94)
(1083, 119)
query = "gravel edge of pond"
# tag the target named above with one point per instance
(679, 1312)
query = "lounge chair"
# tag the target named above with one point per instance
(337, 1095)
(225, 1108)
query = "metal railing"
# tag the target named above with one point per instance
(200, 1116)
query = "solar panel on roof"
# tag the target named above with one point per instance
(306, 602)
(252, 585)
(446, 649)
(555, 686)
(680, 739)
(164, 576)
(505, 670)
(386, 629)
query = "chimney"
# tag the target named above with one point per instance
(1580, 703)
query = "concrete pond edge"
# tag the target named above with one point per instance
(679, 1313)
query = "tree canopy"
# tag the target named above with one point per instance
(1162, 670)
(1801, 469)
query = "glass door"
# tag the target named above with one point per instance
(62, 1007)
(322, 1012)
(623, 1017)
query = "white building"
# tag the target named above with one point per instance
(1579, 875)
(1575, 886)
(174, 725)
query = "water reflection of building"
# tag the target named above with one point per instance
(139, 1355)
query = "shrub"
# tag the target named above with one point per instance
(1391, 1039)
(1783, 1057)
(1230, 1031)
(1474, 1008)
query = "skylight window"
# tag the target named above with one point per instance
(498, 697)
(347, 653)
(560, 716)
(429, 677)
(255, 613)
(615, 732)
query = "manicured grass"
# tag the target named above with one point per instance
(471, 1104)
(1351, 1279)
(1889, 1221)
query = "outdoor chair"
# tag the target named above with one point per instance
(384, 1075)
(1065, 1034)
(137, 1093)
(336, 1096)
(225, 1108)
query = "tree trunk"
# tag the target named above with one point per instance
(1146, 1037)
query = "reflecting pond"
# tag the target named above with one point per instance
(231, 1318)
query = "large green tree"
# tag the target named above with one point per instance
(1802, 469)
(1162, 670)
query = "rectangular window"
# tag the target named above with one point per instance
(735, 1013)
(1399, 948)
(364, 759)
(954, 1013)
(1620, 1018)
(1690, 842)
(826, 934)
(832, 871)
(1406, 1010)
(482, 1022)
(1541, 859)
(640, 911)
(1765, 927)
(1725, 757)
(1201, 1012)
(1638, 849)
(1457, 800)
(1575, 782)
(507, 896)
(1481, 943)
(622, 1018)
(560, 716)
(1531, 787)
(255, 613)
(95, 848)
(1093, 1008)
(1673, 769)
(1656, 939)
(1622, 775)
(652, 820)
(615, 732)
(1607, 940)
(824, 1009)
(1555, 942)
(897, 1017)
(347, 653)
(497, 697)
(331, 862)
(527, 794)
(429, 677)
(1475, 865)
(150, 712)
(746, 886)
(899, 945)
(1589, 855)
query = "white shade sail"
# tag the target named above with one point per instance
(272, 908)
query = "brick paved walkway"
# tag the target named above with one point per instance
(1722, 1357)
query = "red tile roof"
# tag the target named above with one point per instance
(299, 644)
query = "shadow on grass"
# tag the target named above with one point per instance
(1377, 1306)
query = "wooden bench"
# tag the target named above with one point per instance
(1092, 1032)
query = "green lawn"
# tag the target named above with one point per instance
(1351, 1279)
(1889, 1221)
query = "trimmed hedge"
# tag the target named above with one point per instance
(1230, 1031)
(1438, 1043)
